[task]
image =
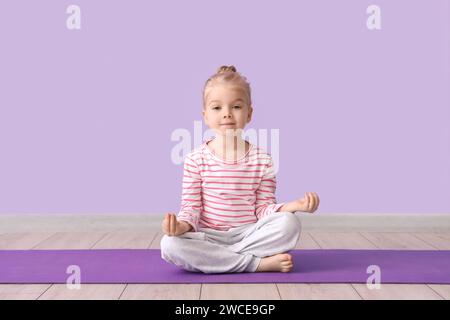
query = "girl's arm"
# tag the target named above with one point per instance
(191, 198)
(185, 226)
(288, 207)
(309, 203)
(265, 194)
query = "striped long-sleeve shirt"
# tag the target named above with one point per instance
(223, 194)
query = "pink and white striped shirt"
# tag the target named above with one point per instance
(222, 194)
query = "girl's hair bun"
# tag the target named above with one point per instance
(227, 75)
(226, 69)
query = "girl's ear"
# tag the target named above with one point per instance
(250, 113)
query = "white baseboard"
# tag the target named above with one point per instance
(12, 223)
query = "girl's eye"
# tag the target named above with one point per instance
(217, 108)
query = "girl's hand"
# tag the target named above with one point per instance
(172, 227)
(309, 203)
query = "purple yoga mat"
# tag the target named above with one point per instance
(146, 266)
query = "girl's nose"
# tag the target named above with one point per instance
(227, 112)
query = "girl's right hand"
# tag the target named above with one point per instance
(172, 227)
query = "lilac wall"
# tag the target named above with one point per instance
(86, 116)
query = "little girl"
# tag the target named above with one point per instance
(229, 219)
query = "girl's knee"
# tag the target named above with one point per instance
(169, 245)
(290, 223)
(173, 250)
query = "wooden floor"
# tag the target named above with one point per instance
(140, 240)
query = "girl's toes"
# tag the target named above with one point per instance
(289, 257)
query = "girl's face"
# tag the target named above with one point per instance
(226, 109)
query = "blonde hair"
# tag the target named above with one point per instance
(227, 74)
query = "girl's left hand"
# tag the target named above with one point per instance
(309, 203)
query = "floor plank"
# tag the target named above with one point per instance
(442, 289)
(22, 241)
(161, 292)
(22, 291)
(86, 292)
(440, 241)
(240, 291)
(341, 240)
(156, 242)
(317, 291)
(397, 241)
(70, 240)
(126, 240)
(390, 291)
(306, 242)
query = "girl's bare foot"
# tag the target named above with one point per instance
(281, 262)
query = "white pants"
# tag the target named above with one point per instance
(238, 249)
